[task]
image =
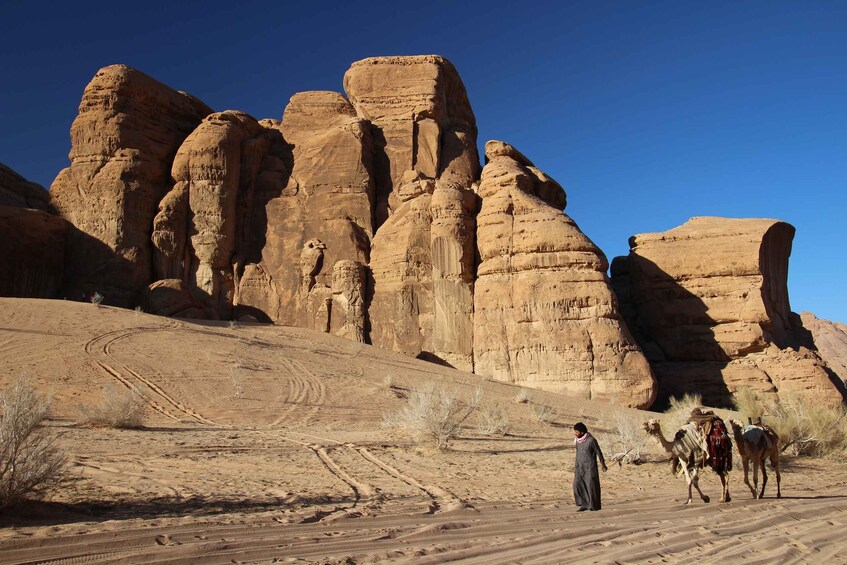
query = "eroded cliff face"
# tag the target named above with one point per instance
(123, 142)
(425, 163)
(708, 302)
(544, 314)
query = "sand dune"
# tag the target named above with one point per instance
(265, 444)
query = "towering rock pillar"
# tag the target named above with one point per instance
(544, 313)
(425, 162)
(123, 142)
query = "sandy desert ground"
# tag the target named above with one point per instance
(297, 468)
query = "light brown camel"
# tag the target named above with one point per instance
(755, 443)
(690, 452)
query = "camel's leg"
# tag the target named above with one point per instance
(688, 479)
(725, 487)
(775, 465)
(755, 477)
(696, 480)
(764, 477)
(745, 463)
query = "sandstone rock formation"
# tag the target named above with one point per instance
(327, 197)
(32, 241)
(123, 140)
(544, 313)
(830, 341)
(173, 297)
(708, 302)
(425, 162)
(369, 217)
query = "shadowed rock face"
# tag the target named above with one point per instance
(708, 302)
(123, 141)
(32, 241)
(544, 314)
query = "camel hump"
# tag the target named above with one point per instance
(754, 435)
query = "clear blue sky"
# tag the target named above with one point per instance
(647, 113)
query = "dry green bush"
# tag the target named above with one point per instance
(805, 426)
(435, 412)
(627, 437)
(121, 408)
(30, 462)
(492, 419)
(679, 412)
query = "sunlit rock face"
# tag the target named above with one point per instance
(367, 214)
(425, 163)
(544, 313)
(709, 304)
(123, 142)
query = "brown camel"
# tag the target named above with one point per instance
(690, 452)
(755, 443)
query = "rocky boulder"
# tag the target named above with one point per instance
(708, 302)
(173, 297)
(123, 141)
(544, 313)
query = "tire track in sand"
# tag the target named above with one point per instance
(102, 344)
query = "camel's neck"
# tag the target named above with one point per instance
(666, 445)
(736, 433)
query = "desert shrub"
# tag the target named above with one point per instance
(544, 414)
(751, 404)
(492, 419)
(805, 426)
(627, 437)
(388, 381)
(235, 378)
(97, 299)
(435, 412)
(30, 462)
(121, 407)
(522, 397)
(679, 411)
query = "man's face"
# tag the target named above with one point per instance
(577, 433)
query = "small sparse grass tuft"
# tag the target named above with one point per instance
(492, 419)
(522, 397)
(121, 407)
(545, 414)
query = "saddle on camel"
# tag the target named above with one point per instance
(716, 442)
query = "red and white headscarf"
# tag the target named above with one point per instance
(581, 439)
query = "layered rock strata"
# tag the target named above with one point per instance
(123, 141)
(544, 313)
(708, 302)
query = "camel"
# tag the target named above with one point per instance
(755, 443)
(690, 452)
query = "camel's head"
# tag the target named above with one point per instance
(651, 426)
(735, 425)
